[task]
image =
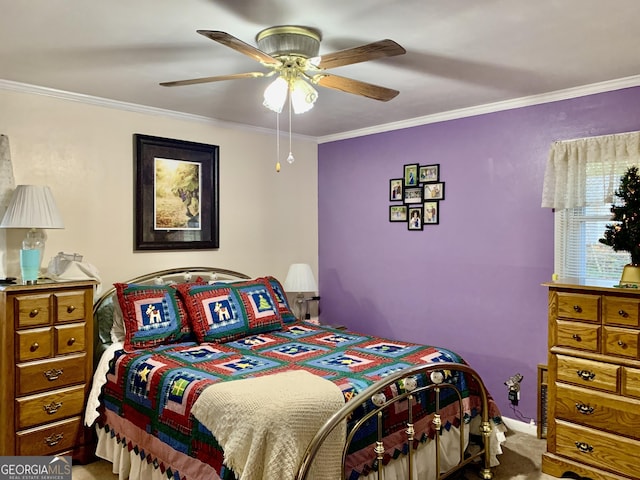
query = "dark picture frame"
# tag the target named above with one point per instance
(396, 187)
(433, 191)
(410, 176)
(176, 194)
(414, 218)
(431, 211)
(412, 195)
(429, 173)
(397, 213)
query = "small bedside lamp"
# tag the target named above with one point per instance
(300, 279)
(32, 207)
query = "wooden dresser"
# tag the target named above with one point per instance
(46, 363)
(593, 382)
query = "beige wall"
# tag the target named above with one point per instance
(84, 152)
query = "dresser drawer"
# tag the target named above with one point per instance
(70, 306)
(600, 449)
(621, 311)
(50, 438)
(588, 373)
(70, 338)
(599, 410)
(631, 382)
(32, 310)
(579, 306)
(44, 375)
(622, 342)
(33, 344)
(582, 336)
(49, 407)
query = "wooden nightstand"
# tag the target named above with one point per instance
(46, 361)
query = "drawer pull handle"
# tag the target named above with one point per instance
(71, 341)
(52, 407)
(586, 374)
(54, 439)
(621, 343)
(584, 447)
(70, 308)
(576, 337)
(622, 313)
(577, 308)
(35, 346)
(584, 409)
(53, 374)
(34, 312)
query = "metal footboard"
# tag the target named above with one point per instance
(411, 390)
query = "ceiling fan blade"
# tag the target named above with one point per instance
(193, 81)
(356, 87)
(233, 42)
(363, 53)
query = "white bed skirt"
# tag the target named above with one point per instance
(128, 465)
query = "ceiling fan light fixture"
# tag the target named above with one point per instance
(303, 95)
(276, 94)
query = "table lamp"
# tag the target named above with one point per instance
(300, 279)
(32, 207)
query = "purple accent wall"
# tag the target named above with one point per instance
(473, 282)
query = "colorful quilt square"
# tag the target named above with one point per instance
(345, 361)
(244, 365)
(179, 390)
(297, 331)
(388, 349)
(337, 339)
(198, 353)
(294, 351)
(252, 342)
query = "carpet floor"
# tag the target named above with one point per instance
(521, 458)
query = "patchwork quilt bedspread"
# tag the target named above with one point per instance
(151, 392)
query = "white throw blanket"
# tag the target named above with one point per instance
(264, 424)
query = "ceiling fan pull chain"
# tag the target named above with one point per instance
(277, 142)
(290, 158)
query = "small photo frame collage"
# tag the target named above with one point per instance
(420, 191)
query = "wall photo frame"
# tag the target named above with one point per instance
(411, 175)
(421, 191)
(429, 173)
(397, 213)
(415, 220)
(433, 191)
(176, 194)
(396, 187)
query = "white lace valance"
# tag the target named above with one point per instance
(565, 178)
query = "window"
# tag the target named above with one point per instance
(580, 182)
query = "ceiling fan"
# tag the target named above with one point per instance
(290, 52)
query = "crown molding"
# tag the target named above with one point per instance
(528, 101)
(555, 96)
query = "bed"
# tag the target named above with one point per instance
(205, 373)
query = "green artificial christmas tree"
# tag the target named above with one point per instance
(624, 235)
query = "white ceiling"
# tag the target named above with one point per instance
(460, 53)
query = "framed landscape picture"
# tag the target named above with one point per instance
(398, 213)
(177, 194)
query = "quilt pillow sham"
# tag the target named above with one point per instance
(152, 314)
(281, 297)
(224, 312)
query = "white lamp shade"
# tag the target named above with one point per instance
(276, 94)
(32, 206)
(300, 279)
(303, 96)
